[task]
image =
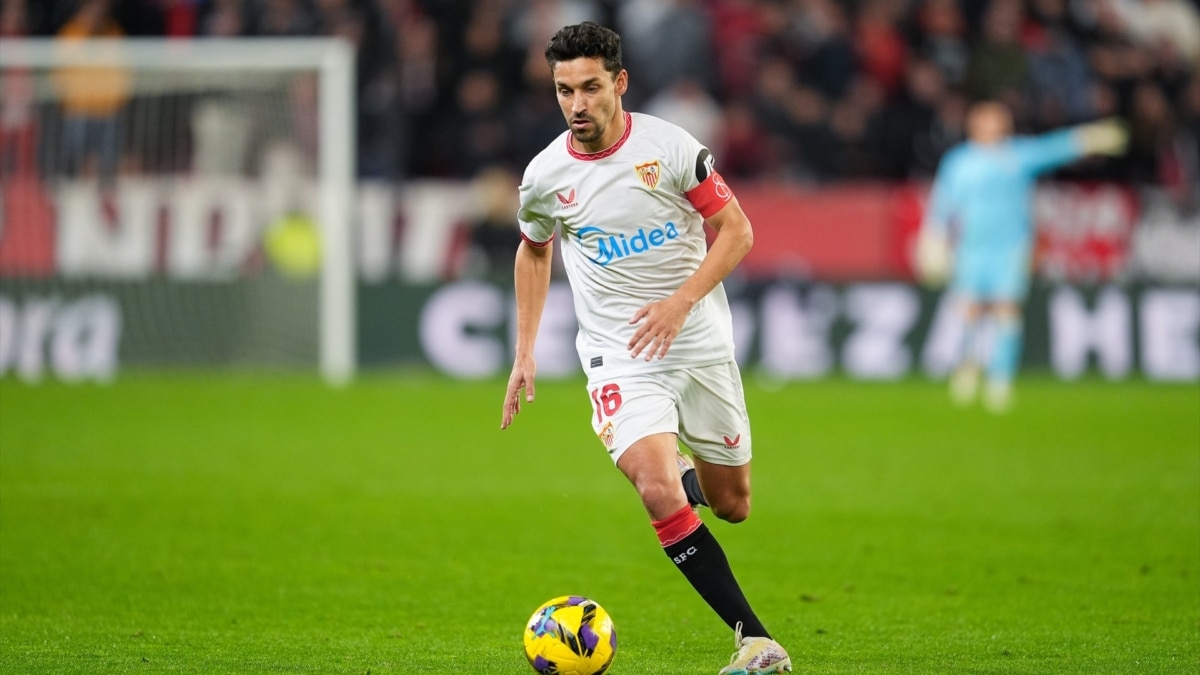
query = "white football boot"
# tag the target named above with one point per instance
(757, 655)
(964, 385)
(998, 397)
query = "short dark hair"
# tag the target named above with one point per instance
(586, 40)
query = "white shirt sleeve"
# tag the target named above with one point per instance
(533, 216)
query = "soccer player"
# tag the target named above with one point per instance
(629, 194)
(980, 207)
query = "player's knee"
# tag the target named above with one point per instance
(656, 493)
(732, 511)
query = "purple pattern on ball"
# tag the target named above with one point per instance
(540, 664)
(612, 639)
(576, 600)
(589, 637)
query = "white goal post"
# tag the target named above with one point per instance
(333, 63)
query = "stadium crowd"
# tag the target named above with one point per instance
(800, 90)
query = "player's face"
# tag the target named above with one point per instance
(590, 98)
(989, 123)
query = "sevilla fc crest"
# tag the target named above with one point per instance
(608, 436)
(648, 172)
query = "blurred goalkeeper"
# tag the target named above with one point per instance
(978, 232)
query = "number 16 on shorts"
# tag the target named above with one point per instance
(607, 401)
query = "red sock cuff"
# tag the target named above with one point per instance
(676, 526)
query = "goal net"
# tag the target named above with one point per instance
(175, 204)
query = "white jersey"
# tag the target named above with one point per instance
(631, 220)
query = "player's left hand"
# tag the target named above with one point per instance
(661, 323)
(1106, 137)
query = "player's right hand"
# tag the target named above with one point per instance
(524, 369)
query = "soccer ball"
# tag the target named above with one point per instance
(570, 635)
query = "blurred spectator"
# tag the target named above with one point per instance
(1114, 56)
(376, 86)
(997, 69)
(476, 134)
(882, 51)
(535, 118)
(812, 155)
(45, 17)
(180, 18)
(494, 232)
(1183, 178)
(746, 151)
(810, 90)
(659, 63)
(737, 27)
(223, 19)
(18, 128)
(415, 56)
(484, 47)
(855, 123)
(1173, 23)
(1152, 131)
(1059, 81)
(774, 106)
(534, 22)
(221, 125)
(686, 103)
(910, 122)
(940, 36)
(283, 18)
(949, 129)
(831, 65)
(142, 18)
(92, 96)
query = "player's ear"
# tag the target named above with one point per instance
(621, 83)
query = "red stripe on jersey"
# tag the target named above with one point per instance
(676, 526)
(537, 244)
(710, 196)
(593, 156)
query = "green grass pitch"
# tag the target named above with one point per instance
(259, 524)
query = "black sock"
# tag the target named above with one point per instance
(703, 562)
(691, 485)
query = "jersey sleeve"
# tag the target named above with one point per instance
(943, 196)
(533, 215)
(695, 171)
(1047, 152)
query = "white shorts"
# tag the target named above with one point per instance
(705, 407)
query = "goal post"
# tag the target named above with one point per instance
(186, 76)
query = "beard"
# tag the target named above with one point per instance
(596, 133)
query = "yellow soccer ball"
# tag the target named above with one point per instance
(570, 635)
(294, 245)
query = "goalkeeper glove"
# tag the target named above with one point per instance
(1106, 137)
(933, 258)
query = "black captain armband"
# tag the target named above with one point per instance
(704, 165)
